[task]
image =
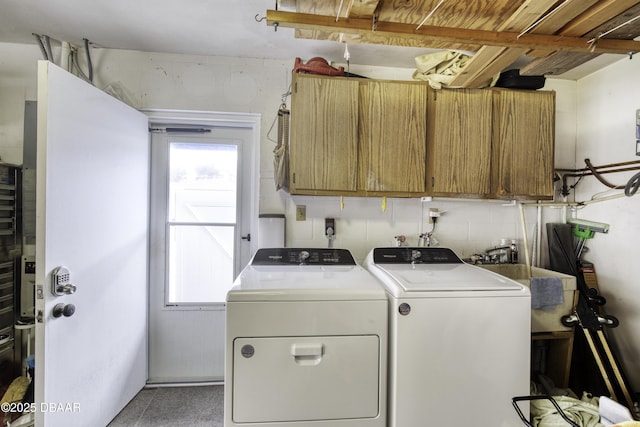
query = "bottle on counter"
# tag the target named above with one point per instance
(514, 252)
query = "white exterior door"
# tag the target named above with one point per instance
(92, 218)
(202, 213)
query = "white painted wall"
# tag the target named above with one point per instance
(606, 104)
(602, 104)
(18, 77)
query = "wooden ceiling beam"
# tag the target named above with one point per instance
(593, 17)
(527, 14)
(560, 62)
(600, 13)
(430, 34)
(491, 60)
(570, 10)
(555, 64)
(362, 8)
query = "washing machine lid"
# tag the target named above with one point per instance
(422, 269)
(304, 274)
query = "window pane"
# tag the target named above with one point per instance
(203, 181)
(200, 263)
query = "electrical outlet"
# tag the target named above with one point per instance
(329, 224)
(301, 213)
(433, 213)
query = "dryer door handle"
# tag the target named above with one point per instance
(307, 354)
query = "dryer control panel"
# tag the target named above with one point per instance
(303, 256)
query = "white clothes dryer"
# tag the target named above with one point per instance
(459, 339)
(306, 342)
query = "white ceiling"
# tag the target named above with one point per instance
(199, 27)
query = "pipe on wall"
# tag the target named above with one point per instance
(596, 171)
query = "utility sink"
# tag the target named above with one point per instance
(541, 321)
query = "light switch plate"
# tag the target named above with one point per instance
(301, 213)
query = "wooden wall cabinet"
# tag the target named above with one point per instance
(357, 137)
(491, 143)
(393, 137)
(323, 154)
(523, 144)
(362, 137)
(459, 148)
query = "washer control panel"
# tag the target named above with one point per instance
(415, 255)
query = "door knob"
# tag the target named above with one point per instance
(66, 289)
(65, 310)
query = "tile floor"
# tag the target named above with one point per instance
(200, 406)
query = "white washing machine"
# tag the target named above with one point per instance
(306, 342)
(459, 339)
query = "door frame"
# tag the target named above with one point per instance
(159, 322)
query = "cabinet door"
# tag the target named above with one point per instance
(324, 134)
(460, 142)
(395, 139)
(523, 152)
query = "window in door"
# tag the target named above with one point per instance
(201, 220)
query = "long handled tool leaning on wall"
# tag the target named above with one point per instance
(587, 317)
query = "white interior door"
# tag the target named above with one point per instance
(92, 217)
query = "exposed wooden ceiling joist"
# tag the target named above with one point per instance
(361, 8)
(600, 13)
(560, 62)
(592, 17)
(536, 16)
(491, 60)
(500, 31)
(566, 11)
(431, 34)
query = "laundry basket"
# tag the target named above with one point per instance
(515, 400)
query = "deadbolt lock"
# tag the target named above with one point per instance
(60, 282)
